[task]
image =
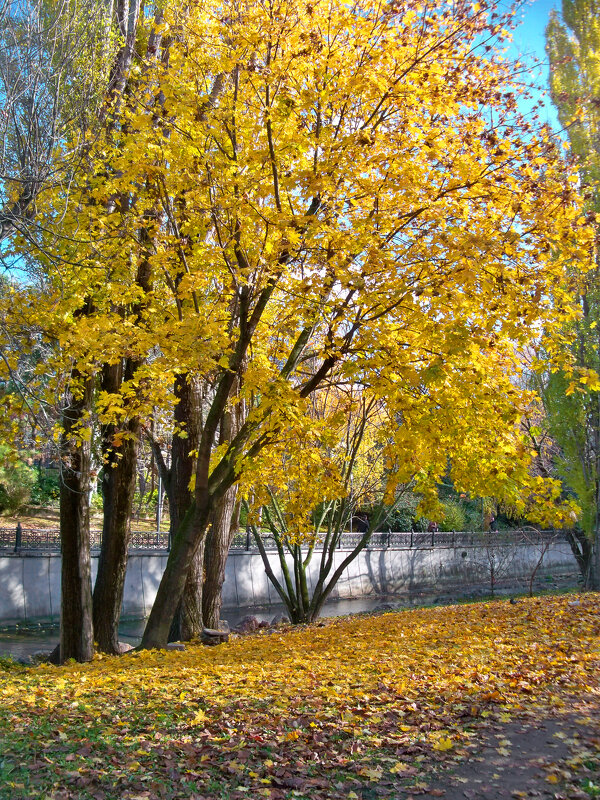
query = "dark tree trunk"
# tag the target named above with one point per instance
(187, 417)
(583, 550)
(211, 485)
(223, 526)
(187, 622)
(218, 541)
(118, 489)
(76, 627)
(189, 614)
(185, 545)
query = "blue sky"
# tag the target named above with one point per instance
(529, 39)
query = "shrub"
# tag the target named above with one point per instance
(455, 518)
(46, 491)
(17, 480)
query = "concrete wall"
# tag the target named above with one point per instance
(30, 582)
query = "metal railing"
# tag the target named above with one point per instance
(48, 539)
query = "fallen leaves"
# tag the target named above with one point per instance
(377, 701)
(443, 744)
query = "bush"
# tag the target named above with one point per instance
(403, 517)
(46, 491)
(455, 518)
(17, 480)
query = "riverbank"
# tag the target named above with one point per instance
(452, 566)
(26, 641)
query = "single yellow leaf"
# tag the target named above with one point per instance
(445, 743)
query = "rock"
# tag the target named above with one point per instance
(175, 646)
(54, 657)
(280, 619)
(212, 637)
(382, 607)
(247, 624)
(40, 657)
(263, 624)
(123, 647)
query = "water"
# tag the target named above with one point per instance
(22, 643)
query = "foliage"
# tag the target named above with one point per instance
(343, 462)
(53, 63)
(281, 203)
(402, 517)
(17, 480)
(273, 162)
(324, 711)
(46, 489)
(571, 397)
(455, 518)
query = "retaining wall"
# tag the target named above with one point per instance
(30, 581)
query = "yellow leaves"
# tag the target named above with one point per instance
(425, 666)
(199, 718)
(443, 744)
(373, 774)
(399, 767)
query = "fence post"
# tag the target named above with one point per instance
(247, 538)
(389, 539)
(18, 537)
(432, 535)
(411, 537)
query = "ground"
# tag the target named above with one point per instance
(552, 753)
(486, 700)
(49, 517)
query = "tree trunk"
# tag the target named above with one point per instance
(187, 622)
(189, 537)
(224, 524)
(76, 627)
(189, 614)
(582, 549)
(118, 489)
(218, 541)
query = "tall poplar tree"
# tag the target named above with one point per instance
(573, 407)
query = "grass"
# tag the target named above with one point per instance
(347, 708)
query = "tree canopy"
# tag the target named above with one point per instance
(572, 406)
(290, 195)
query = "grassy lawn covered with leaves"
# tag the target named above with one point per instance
(350, 708)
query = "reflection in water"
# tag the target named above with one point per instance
(22, 644)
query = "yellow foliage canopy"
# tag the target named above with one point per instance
(317, 188)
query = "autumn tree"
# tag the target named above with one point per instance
(53, 68)
(312, 190)
(307, 490)
(78, 118)
(571, 397)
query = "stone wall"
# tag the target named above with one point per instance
(30, 581)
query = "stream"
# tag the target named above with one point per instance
(22, 642)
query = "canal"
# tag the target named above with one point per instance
(22, 643)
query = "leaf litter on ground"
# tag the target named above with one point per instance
(370, 707)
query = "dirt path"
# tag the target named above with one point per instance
(549, 754)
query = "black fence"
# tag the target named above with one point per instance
(48, 539)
